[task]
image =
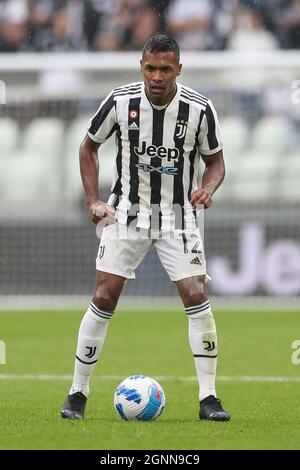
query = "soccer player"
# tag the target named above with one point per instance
(162, 130)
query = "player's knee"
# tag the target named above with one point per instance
(195, 296)
(104, 299)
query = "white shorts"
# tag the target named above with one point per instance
(180, 252)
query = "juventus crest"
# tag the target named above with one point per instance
(181, 127)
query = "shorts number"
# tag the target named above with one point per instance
(194, 247)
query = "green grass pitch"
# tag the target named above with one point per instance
(258, 383)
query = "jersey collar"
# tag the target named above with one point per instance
(171, 104)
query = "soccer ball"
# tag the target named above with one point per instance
(139, 397)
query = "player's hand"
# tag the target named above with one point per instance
(201, 197)
(102, 212)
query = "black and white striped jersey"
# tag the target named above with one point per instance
(158, 150)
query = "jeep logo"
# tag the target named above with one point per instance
(160, 152)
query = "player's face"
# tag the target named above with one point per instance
(160, 71)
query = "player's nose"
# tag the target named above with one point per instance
(157, 77)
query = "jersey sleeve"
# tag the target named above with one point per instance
(104, 122)
(210, 139)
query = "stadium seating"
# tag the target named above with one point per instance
(45, 136)
(272, 134)
(255, 176)
(30, 177)
(235, 136)
(9, 136)
(33, 170)
(44, 157)
(288, 181)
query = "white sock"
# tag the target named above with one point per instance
(203, 342)
(91, 337)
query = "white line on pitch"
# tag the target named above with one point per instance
(167, 378)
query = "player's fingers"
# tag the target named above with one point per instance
(198, 205)
(110, 209)
(108, 220)
(95, 220)
(194, 200)
(207, 198)
(199, 201)
(208, 203)
(111, 213)
(101, 212)
(198, 196)
(195, 196)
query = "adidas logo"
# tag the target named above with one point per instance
(133, 127)
(196, 260)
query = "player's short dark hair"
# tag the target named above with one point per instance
(161, 43)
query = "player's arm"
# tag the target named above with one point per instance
(89, 169)
(210, 149)
(212, 178)
(101, 126)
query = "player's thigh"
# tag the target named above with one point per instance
(182, 254)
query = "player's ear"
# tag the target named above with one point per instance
(179, 69)
(141, 64)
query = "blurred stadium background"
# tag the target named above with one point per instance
(58, 61)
